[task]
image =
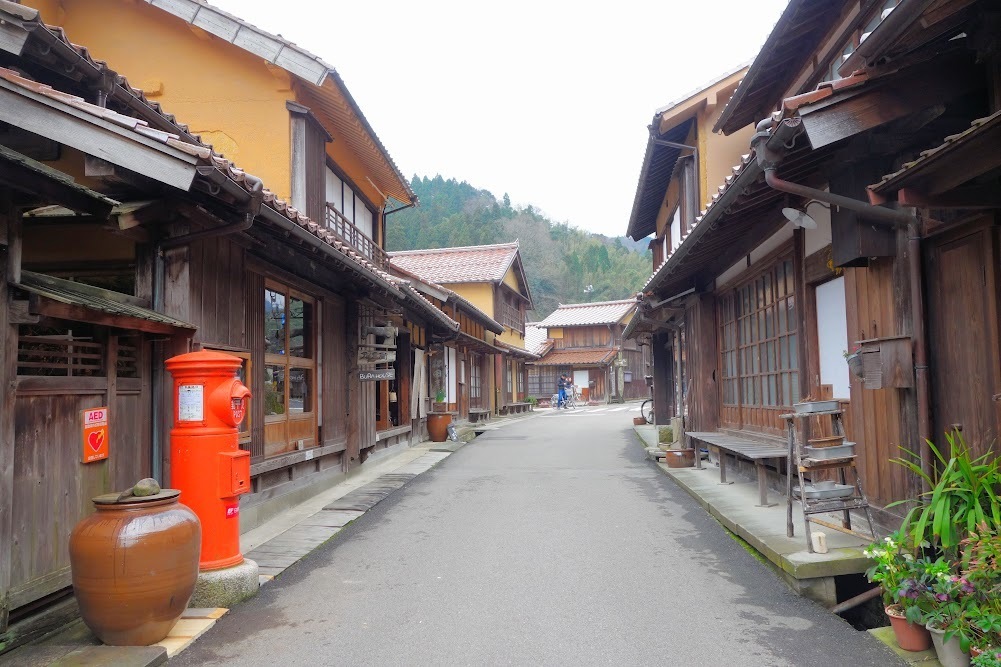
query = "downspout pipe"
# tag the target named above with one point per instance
(922, 383)
(769, 160)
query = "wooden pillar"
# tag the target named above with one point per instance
(8, 384)
(176, 303)
(663, 380)
(404, 378)
(352, 453)
(799, 273)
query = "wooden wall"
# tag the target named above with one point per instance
(596, 336)
(881, 420)
(701, 357)
(52, 488)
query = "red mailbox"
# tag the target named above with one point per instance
(206, 462)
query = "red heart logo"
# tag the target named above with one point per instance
(96, 439)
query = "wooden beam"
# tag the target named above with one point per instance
(51, 190)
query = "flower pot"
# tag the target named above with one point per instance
(950, 653)
(134, 564)
(855, 365)
(679, 458)
(438, 426)
(910, 636)
(638, 421)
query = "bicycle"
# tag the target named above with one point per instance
(646, 410)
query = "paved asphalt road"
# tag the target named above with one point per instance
(550, 541)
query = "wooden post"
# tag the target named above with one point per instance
(352, 454)
(662, 381)
(8, 384)
(799, 274)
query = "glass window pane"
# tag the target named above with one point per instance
(770, 322)
(772, 362)
(301, 328)
(300, 390)
(793, 352)
(794, 388)
(791, 307)
(274, 322)
(274, 390)
(786, 392)
(772, 390)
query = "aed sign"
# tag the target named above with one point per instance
(95, 435)
(372, 376)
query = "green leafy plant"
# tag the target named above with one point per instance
(962, 497)
(897, 570)
(439, 396)
(532, 400)
(987, 659)
(982, 616)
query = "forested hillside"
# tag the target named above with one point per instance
(564, 264)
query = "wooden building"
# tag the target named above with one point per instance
(584, 340)
(124, 240)
(459, 364)
(864, 217)
(491, 278)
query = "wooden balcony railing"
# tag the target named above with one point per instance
(354, 237)
(511, 316)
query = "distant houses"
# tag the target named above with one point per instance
(584, 341)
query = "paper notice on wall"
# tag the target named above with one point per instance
(191, 403)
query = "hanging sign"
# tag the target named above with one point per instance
(381, 374)
(95, 435)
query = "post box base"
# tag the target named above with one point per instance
(226, 587)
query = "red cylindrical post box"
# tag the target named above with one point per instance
(206, 462)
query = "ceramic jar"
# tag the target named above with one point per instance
(134, 564)
(438, 426)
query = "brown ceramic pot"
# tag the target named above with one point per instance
(438, 426)
(639, 421)
(134, 565)
(910, 636)
(679, 458)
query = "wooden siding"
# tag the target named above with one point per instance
(879, 418)
(52, 488)
(635, 363)
(701, 356)
(595, 336)
(218, 299)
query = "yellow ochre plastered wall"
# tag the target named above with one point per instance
(480, 295)
(229, 97)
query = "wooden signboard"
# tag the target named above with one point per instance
(376, 375)
(95, 435)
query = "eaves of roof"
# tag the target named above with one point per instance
(514, 351)
(982, 132)
(589, 314)
(796, 35)
(591, 356)
(735, 186)
(335, 102)
(655, 176)
(445, 294)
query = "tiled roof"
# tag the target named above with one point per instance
(588, 356)
(468, 264)
(582, 314)
(94, 298)
(490, 323)
(515, 351)
(975, 133)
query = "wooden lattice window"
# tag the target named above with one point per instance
(759, 341)
(60, 352)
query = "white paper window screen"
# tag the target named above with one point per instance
(334, 194)
(363, 220)
(832, 336)
(451, 369)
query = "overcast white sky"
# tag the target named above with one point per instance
(547, 101)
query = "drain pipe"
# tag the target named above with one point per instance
(769, 159)
(922, 383)
(853, 602)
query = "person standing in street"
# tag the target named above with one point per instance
(561, 391)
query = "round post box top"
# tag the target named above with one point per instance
(204, 359)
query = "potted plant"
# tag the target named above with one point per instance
(895, 570)
(854, 360)
(439, 401)
(982, 616)
(962, 497)
(987, 659)
(949, 594)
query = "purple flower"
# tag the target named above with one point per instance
(941, 597)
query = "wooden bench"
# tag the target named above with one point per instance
(754, 450)
(479, 414)
(513, 408)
